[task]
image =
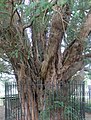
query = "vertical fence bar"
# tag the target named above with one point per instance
(8, 102)
(5, 100)
(18, 104)
(80, 102)
(20, 85)
(83, 99)
(69, 98)
(15, 99)
(72, 99)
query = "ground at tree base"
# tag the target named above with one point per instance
(88, 116)
(2, 114)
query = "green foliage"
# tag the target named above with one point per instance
(69, 110)
(36, 12)
(34, 9)
(79, 11)
(88, 107)
(69, 107)
(14, 53)
(3, 8)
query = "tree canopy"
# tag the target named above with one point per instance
(36, 30)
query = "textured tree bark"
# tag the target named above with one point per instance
(29, 101)
(53, 67)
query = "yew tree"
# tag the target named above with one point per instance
(44, 42)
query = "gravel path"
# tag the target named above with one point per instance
(2, 113)
(88, 116)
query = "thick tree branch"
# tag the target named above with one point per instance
(86, 28)
(87, 55)
(34, 42)
(68, 73)
(56, 34)
(73, 54)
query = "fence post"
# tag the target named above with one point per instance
(83, 99)
(6, 100)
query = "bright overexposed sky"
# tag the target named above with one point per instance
(27, 2)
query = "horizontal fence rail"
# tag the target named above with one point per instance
(54, 102)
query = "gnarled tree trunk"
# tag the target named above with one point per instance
(40, 60)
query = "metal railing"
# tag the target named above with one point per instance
(69, 98)
(88, 101)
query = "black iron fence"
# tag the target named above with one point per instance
(55, 102)
(88, 101)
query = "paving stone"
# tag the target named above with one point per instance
(2, 113)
